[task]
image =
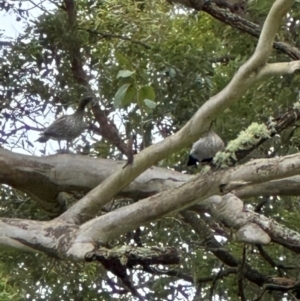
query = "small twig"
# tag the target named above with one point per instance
(261, 204)
(213, 285)
(125, 280)
(137, 237)
(113, 285)
(111, 36)
(173, 273)
(131, 149)
(240, 277)
(37, 6)
(269, 259)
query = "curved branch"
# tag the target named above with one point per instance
(199, 123)
(200, 188)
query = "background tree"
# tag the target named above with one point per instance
(161, 72)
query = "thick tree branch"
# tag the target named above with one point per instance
(288, 186)
(51, 238)
(113, 224)
(280, 68)
(252, 227)
(246, 76)
(130, 256)
(56, 173)
(61, 239)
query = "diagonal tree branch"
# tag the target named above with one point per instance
(245, 77)
(24, 172)
(199, 189)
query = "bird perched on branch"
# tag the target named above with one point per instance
(205, 148)
(67, 127)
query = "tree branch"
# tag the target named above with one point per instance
(130, 256)
(199, 123)
(280, 68)
(207, 237)
(109, 35)
(200, 188)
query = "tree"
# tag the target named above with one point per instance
(162, 73)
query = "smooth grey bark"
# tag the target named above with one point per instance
(44, 178)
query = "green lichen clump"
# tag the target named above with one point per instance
(246, 140)
(222, 159)
(297, 106)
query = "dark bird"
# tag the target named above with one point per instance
(67, 127)
(205, 148)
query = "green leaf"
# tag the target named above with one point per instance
(146, 92)
(122, 60)
(129, 97)
(120, 95)
(125, 73)
(150, 104)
